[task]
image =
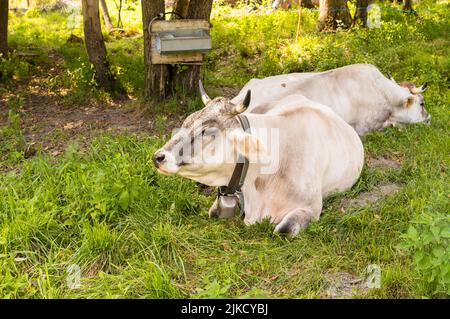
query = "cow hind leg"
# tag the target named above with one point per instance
(294, 222)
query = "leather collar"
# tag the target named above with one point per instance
(240, 171)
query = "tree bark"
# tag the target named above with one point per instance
(181, 7)
(333, 14)
(156, 76)
(307, 4)
(4, 27)
(407, 5)
(360, 17)
(95, 46)
(106, 17)
(187, 80)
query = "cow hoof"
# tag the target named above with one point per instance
(289, 229)
(292, 224)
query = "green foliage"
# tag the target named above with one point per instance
(212, 289)
(12, 143)
(264, 45)
(429, 240)
(13, 68)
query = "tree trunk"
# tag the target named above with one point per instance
(187, 80)
(307, 4)
(156, 76)
(407, 5)
(360, 17)
(4, 27)
(106, 16)
(181, 7)
(333, 14)
(95, 46)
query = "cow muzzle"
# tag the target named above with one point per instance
(158, 158)
(165, 162)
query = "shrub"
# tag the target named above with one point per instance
(428, 239)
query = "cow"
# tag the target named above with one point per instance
(317, 154)
(359, 93)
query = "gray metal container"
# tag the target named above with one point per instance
(180, 41)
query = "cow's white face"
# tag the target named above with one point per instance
(412, 110)
(207, 146)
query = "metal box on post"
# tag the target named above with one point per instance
(179, 41)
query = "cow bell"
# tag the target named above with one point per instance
(227, 205)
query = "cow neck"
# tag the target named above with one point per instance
(240, 171)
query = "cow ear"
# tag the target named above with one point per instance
(409, 101)
(248, 145)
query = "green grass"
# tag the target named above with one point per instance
(135, 233)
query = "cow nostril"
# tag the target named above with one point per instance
(158, 158)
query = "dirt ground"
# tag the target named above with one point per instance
(49, 123)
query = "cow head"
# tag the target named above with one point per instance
(412, 109)
(207, 146)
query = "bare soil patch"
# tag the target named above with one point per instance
(369, 198)
(49, 123)
(383, 162)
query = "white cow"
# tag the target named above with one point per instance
(359, 93)
(317, 154)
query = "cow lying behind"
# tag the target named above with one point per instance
(359, 93)
(316, 153)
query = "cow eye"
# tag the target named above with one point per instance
(208, 131)
(422, 104)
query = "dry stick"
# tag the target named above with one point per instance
(119, 17)
(297, 33)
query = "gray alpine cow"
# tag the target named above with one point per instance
(358, 93)
(316, 154)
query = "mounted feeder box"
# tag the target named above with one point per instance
(179, 41)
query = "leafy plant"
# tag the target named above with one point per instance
(428, 239)
(212, 289)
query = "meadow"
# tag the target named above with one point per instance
(97, 205)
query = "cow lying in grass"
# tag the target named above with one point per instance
(358, 93)
(313, 154)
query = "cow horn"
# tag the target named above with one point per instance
(420, 89)
(205, 97)
(391, 78)
(240, 108)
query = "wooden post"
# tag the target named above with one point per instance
(4, 27)
(297, 33)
